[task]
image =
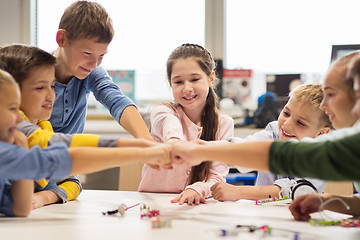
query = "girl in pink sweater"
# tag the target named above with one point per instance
(194, 115)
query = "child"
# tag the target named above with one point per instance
(20, 190)
(55, 162)
(301, 117)
(190, 72)
(85, 32)
(34, 70)
(334, 156)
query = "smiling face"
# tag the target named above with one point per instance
(338, 100)
(37, 93)
(190, 86)
(79, 57)
(9, 112)
(298, 120)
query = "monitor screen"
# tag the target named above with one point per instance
(341, 50)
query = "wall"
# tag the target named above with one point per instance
(16, 23)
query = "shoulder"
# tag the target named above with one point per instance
(225, 119)
(164, 108)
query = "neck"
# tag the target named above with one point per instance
(62, 74)
(194, 116)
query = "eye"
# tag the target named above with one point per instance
(301, 123)
(195, 79)
(286, 114)
(178, 82)
(39, 88)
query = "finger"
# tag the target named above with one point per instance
(168, 166)
(203, 200)
(197, 200)
(213, 187)
(190, 200)
(175, 200)
(182, 200)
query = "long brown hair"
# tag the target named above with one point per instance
(210, 115)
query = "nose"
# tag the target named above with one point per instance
(94, 62)
(287, 123)
(187, 86)
(50, 96)
(19, 117)
(323, 105)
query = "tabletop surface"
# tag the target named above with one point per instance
(83, 219)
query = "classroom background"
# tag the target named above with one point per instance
(260, 46)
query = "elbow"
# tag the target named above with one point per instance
(21, 212)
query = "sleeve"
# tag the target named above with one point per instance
(265, 179)
(165, 124)
(6, 198)
(329, 160)
(18, 163)
(108, 93)
(68, 189)
(218, 171)
(45, 136)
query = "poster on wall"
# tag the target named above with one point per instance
(125, 79)
(236, 85)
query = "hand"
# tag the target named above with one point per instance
(44, 198)
(304, 205)
(223, 191)
(189, 196)
(21, 140)
(182, 152)
(159, 156)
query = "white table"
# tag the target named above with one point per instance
(82, 219)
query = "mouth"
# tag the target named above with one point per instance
(190, 97)
(330, 116)
(286, 134)
(47, 106)
(86, 70)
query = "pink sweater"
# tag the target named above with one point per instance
(167, 123)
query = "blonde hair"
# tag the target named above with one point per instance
(87, 20)
(312, 94)
(6, 79)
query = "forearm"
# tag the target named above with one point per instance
(257, 192)
(21, 193)
(250, 155)
(88, 160)
(134, 143)
(46, 197)
(132, 122)
(338, 206)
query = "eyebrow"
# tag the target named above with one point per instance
(191, 75)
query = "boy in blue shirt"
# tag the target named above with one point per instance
(85, 32)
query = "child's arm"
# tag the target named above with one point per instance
(86, 160)
(304, 205)
(226, 192)
(21, 190)
(21, 193)
(62, 192)
(132, 122)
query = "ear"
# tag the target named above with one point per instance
(61, 37)
(212, 78)
(324, 130)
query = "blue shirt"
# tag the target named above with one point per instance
(69, 111)
(18, 163)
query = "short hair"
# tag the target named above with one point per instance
(87, 20)
(312, 94)
(6, 79)
(19, 59)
